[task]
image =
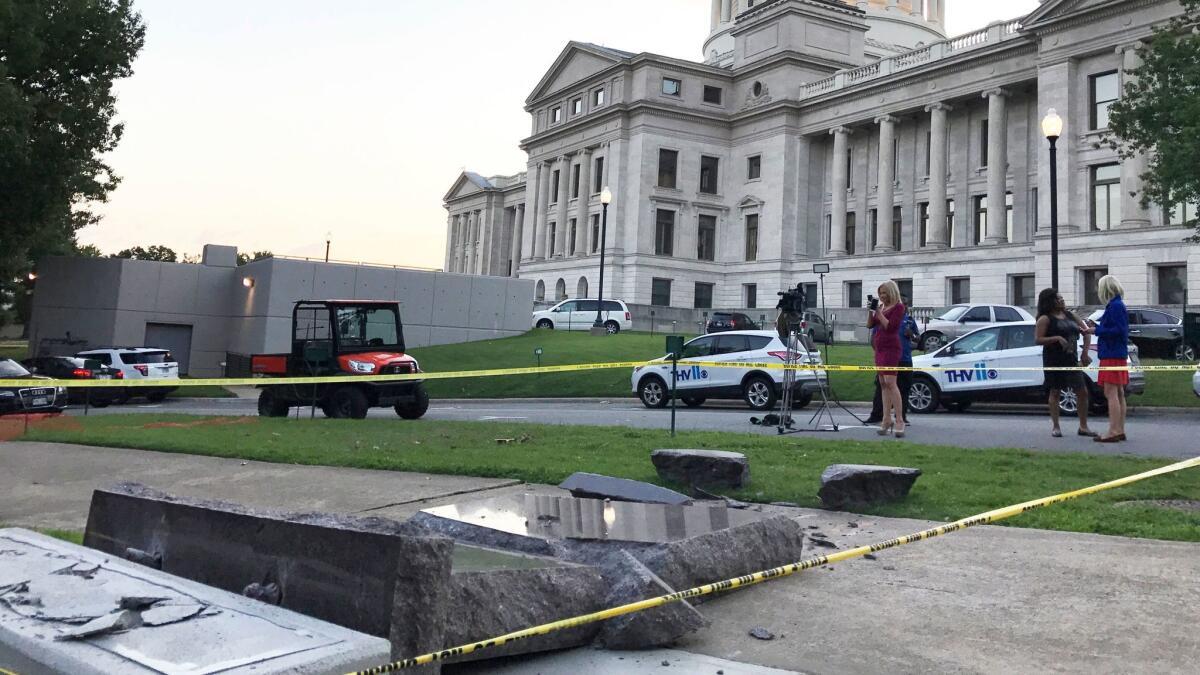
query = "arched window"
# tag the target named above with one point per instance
(581, 289)
(539, 294)
(560, 290)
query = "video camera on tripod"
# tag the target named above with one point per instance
(793, 301)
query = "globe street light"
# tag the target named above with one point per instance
(605, 200)
(1052, 126)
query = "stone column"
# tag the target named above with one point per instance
(997, 209)
(460, 243)
(533, 187)
(468, 262)
(487, 228)
(449, 242)
(716, 15)
(726, 10)
(564, 198)
(936, 234)
(541, 237)
(518, 232)
(933, 12)
(1132, 168)
(837, 235)
(581, 208)
(884, 238)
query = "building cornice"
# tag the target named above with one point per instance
(1079, 16)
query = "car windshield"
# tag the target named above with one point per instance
(10, 368)
(368, 327)
(139, 358)
(953, 313)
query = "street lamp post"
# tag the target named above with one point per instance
(605, 200)
(1052, 126)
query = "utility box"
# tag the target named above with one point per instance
(1191, 329)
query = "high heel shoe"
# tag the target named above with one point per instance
(884, 431)
(899, 434)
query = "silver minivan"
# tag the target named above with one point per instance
(581, 315)
(958, 320)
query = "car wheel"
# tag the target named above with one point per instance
(802, 401)
(653, 392)
(271, 405)
(759, 392)
(1185, 352)
(545, 324)
(694, 402)
(612, 327)
(122, 397)
(923, 396)
(416, 409)
(933, 342)
(157, 396)
(348, 403)
(1068, 402)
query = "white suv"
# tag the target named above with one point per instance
(139, 363)
(581, 315)
(758, 387)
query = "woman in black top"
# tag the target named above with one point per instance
(1058, 333)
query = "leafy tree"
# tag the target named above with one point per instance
(244, 258)
(87, 251)
(1159, 113)
(58, 62)
(156, 253)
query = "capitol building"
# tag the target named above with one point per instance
(854, 134)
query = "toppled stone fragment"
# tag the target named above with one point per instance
(595, 486)
(137, 555)
(139, 603)
(268, 593)
(112, 623)
(167, 614)
(845, 485)
(704, 468)
(629, 581)
(760, 633)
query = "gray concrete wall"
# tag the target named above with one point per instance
(104, 302)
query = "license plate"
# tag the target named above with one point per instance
(104, 377)
(41, 401)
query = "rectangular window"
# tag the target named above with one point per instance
(1182, 214)
(553, 227)
(754, 167)
(672, 86)
(851, 222)
(1103, 90)
(664, 232)
(981, 215)
(668, 161)
(556, 115)
(897, 225)
(709, 174)
(1089, 281)
(596, 233)
(950, 223)
(1106, 196)
(1022, 290)
(906, 288)
(660, 292)
(571, 236)
(750, 295)
(554, 183)
(752, 236)
(854, 294)
(598, 176)
(704, 296)
(712, 94)
(923, 208)
(575, 180)
(706, 238)
(577, 106)
(960, 291)
(1172, 284)
(811, 296)
(597, 98)
(983, 144)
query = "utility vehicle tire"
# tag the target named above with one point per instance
(416, 409)
(271, 405)
(348, 403)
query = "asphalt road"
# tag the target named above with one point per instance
(1152, 433)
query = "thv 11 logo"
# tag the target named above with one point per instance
(693, 373)
(980, 373)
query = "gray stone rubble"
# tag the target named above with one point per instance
(845, 485)
(702, 468)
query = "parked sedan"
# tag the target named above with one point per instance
(959, 320)
(75, 368)
(28, 398)
(1156, 333)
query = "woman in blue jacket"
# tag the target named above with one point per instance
(1112, 338)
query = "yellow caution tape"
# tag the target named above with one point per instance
(776, 573)
(501, 372)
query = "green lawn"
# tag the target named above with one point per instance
(957, 482)
(13, 349)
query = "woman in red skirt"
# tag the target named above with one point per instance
(1112, 339)
(887, 318)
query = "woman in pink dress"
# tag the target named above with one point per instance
(887, 318)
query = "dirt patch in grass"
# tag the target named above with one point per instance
(13, 427)
(1186, 505)
(207, 422)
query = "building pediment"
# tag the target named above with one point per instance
(467, 184)
(750, 202)
(1054, 11)
(578, 62)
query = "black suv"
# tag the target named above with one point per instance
(720, 322)
(76, 368)
(30, 398)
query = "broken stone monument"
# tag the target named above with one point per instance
(595, 486)
(69, 609)
(702, 468)
(845, 485)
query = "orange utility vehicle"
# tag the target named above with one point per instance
(348, 339)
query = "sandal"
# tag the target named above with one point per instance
(1108, 439)
(1088, 433)
(1056, 433)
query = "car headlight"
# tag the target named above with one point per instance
(362, 366)
(416, 366)
(62, 391)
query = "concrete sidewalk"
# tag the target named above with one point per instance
(987, 600)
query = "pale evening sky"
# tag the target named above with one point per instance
(266, 124)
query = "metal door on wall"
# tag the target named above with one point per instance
(177, 338)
